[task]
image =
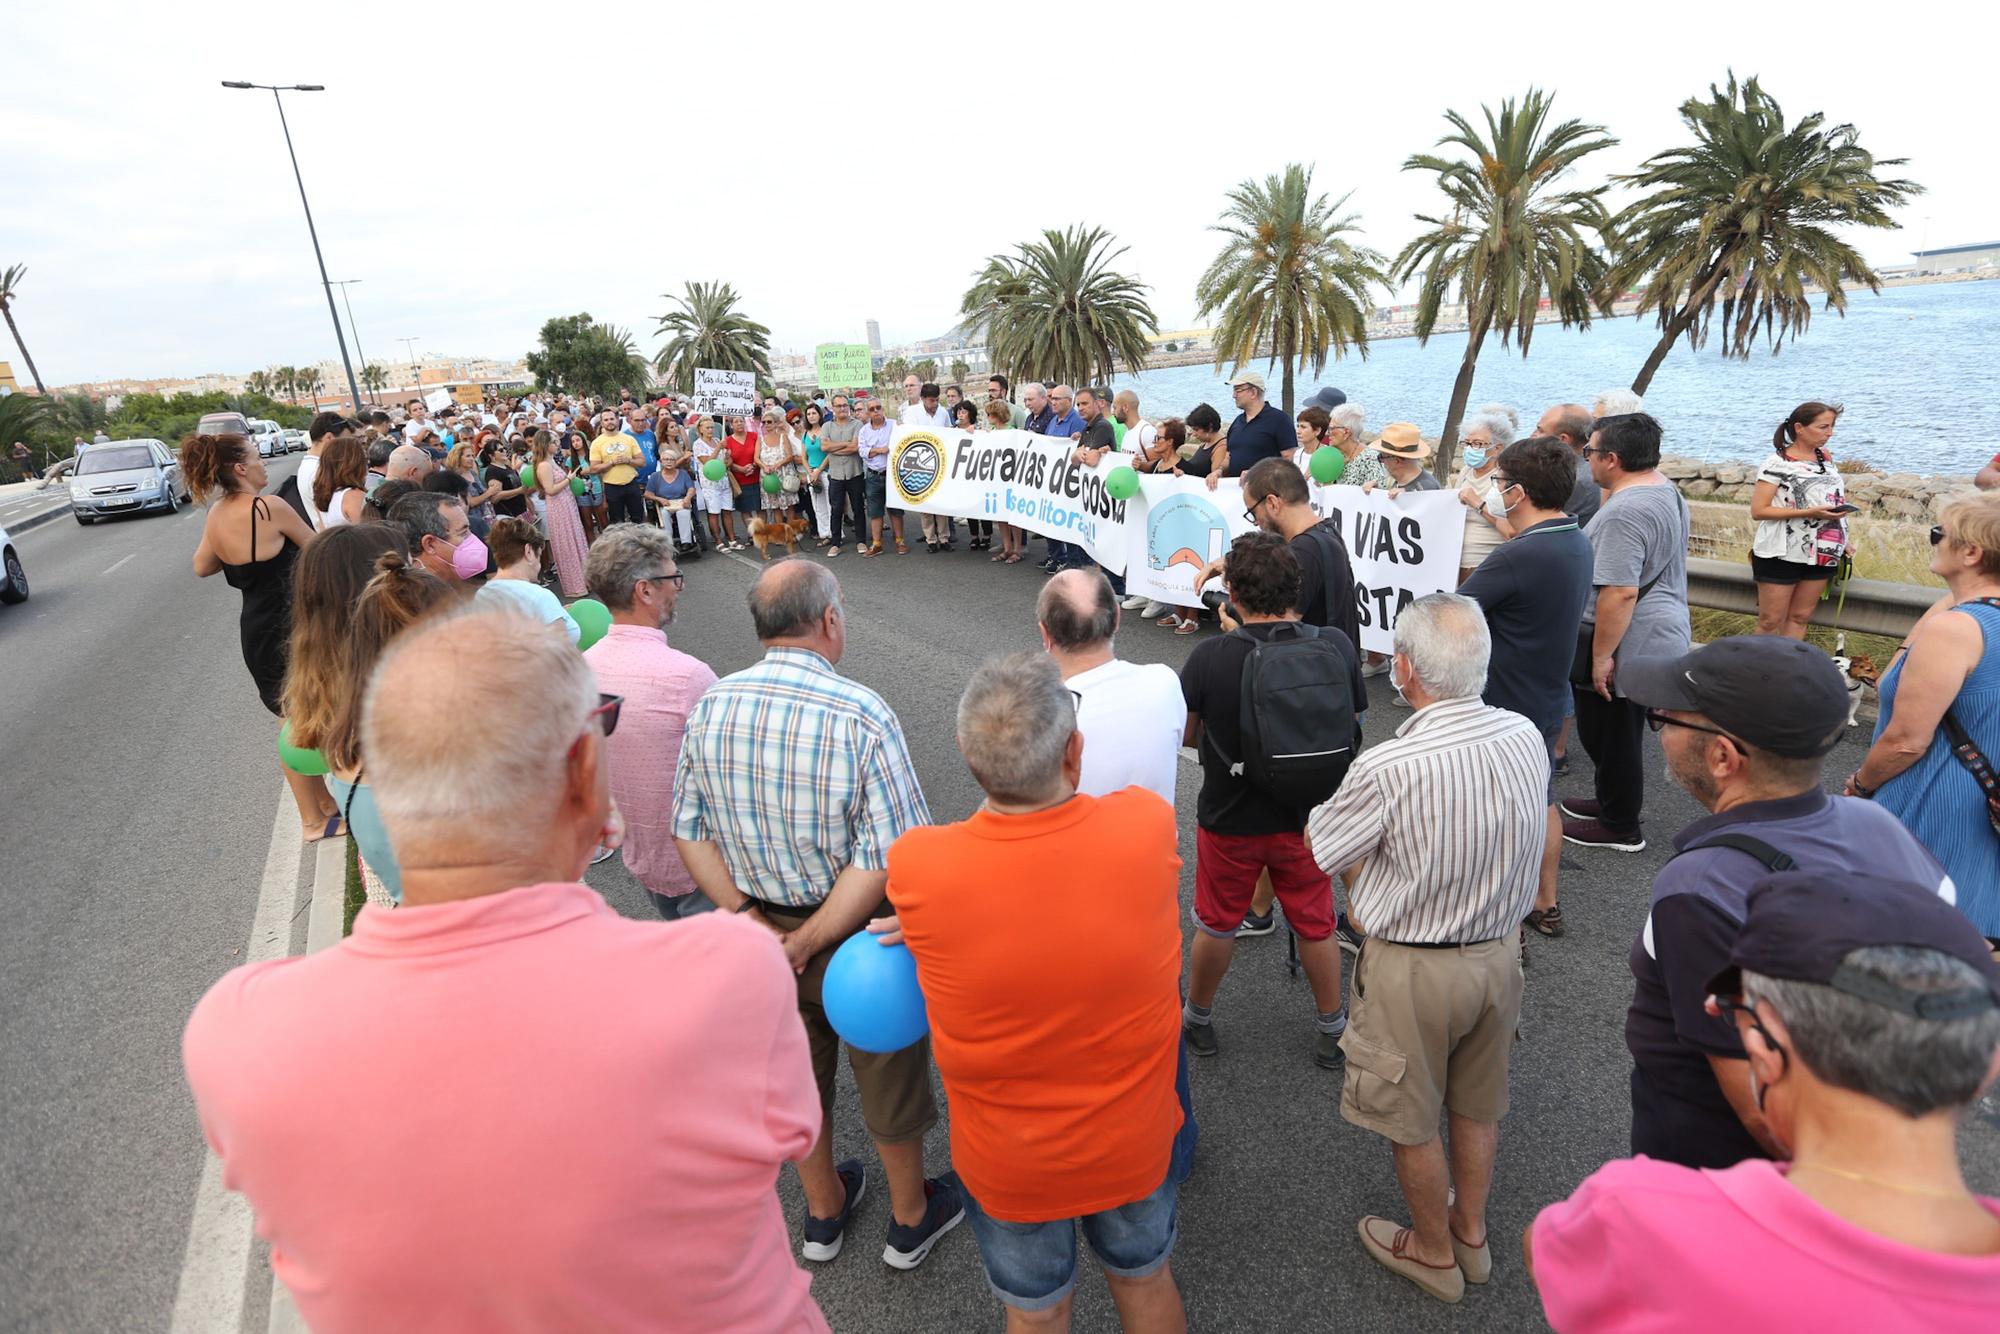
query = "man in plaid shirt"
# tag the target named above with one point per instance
(792, 783)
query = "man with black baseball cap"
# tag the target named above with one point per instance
(1869, 1012)
(1746, 723)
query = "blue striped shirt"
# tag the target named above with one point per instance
(796, 773)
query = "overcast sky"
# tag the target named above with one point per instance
(491, 166)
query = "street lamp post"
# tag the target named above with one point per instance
(416, 373)
(343, 284)
(353, 388)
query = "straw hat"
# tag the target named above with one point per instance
(1402, 440)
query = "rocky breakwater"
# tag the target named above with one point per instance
(1899, 495)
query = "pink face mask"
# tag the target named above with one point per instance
(469, 558)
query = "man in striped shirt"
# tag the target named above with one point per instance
(1447, 819)
(792, 783)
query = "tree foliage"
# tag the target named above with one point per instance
(1746, 215)
(705, 331)
(1055, 310)
(1288, 277)
(580, 356)
(1515, 235)
(10, 291)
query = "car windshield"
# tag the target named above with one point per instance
(115, 459)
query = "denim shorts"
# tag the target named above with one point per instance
(1032, 1266)
(877, 491)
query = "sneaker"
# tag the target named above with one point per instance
(603, 854)
(1151, 610)
(1375, 668)
(944, 1209)
(1595, 834)
(824, 1235)
(1401, 701)
(1561, 766)
(1255, 924)
(1327, 1054)
(1135, 601)
(1049, 565)
(1348, 938)
(1200, 1038)
(1580, 808)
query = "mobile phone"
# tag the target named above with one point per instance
(1844, 508)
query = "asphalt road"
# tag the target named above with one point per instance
(138, 790)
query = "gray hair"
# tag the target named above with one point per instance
(1444, 636)
(1037, 386)
(792, 598)
(425, 775)
(1501, 427)
(1507, 410)
(420, 514)
(1918, 1066)
(1014, 721)
(1065, 391)
(1616, 403)
(1351, 416)
(622, 555)
(1078, 610)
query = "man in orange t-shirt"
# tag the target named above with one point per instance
(1046, 932)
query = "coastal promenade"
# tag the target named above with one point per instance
(126, 683)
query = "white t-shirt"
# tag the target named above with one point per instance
(1132, 716)
(914, 415)
(1139, 439)
(1800, 486)
(536, 601)
(307, 474)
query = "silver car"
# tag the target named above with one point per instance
(125, 477)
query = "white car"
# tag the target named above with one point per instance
(13, 579)
(270, 437)
(295, 441)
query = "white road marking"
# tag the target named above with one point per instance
(216, 1269)
(120, 561)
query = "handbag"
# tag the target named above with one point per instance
(1586, 640)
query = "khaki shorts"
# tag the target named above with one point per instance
(895, 1087)
(1429, 1029)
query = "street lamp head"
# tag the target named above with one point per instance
(308, 87)
(236, 83)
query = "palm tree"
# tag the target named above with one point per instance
(374, 379)
(1055, 310)
(1513, 238)
(1747, 213)
(960, 368)
(1287, 278)
(312, 381)
(27, 417)
(709, 333)
(10, 288)
(892, 372)
(285, 379)
(259, 383)
(925, 370)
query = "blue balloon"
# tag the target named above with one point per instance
(871, 995)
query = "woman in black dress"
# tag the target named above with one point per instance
(253, 544)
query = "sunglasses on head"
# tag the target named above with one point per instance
(1937, 533)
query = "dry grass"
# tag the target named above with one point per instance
(1710, 625)
(1895, 550)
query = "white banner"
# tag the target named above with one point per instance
(731, 393)
(437, 400)
(1012, 477)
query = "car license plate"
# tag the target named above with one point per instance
(120, 502)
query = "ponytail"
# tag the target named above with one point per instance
(401, 593)
(1804, 414)
(206, 461)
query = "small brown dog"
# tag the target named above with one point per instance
(764, 532)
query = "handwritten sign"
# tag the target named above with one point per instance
(731, 393)
(469, 395)
(843, 365)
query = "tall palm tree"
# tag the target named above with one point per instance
(312, 381)
(892, 372)
(1056, 310)
(960, 368)
(1514, 236)
(925, 370)
(259, 383)
(1746, 213)
(1287, 278)
(374, 379)
(284, 379)
(707, 332)
(10, 288)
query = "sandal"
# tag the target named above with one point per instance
(333, 828)
(1187, 626)
(1547, 921)
(997, 557)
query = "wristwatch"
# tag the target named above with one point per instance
(1854, 781)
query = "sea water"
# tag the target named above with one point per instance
(1916, 368)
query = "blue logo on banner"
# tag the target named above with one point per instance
(1185, 530)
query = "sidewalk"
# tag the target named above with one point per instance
(25, 505)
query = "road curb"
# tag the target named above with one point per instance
(34, 521)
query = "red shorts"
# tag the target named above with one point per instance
(1226, 867)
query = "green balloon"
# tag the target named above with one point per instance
(1122, 483)
(309, 763)
(773, 484)
(577, 486)
(1328, 465)
(714, 470)
(592, 617)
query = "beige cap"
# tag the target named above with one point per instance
(1402, 440)
(1249, 378)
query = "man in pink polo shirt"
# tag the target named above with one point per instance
(632, 571)
(503, 1106)
(1869, 1010)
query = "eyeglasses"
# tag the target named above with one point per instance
(607, 709)
(1660, 722)
(1250, 510)
(677, 579)
(1937, 533)
(1728, 1007)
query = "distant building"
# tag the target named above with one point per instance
(874, 336)
(1958, 258)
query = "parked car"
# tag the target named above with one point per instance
(295, 441)
(228, 423)
(126, 477)
(269, 435)
(13, 579)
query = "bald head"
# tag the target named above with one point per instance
(796, 601)
(1078, 611)
(430, 782)
(1570, 422)
(408, 463)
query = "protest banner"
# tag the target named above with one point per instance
(437, 400)
(1010, 477)
(843, 366)
(1399, 549)
(730, 393)
(468, 395)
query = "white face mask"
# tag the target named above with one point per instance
(1496, 503)
(1394, 684)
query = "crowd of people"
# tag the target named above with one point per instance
(591, 1112)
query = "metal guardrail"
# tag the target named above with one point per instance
(1873, 606)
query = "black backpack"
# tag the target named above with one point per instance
(1296, 705)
